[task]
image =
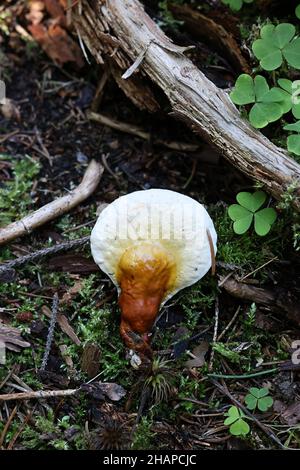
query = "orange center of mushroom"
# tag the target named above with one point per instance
(146, 272)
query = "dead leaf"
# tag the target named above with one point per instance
(199, 353)
(71, 293)
(63, 323)
(11, 337)
(73, 263)
(90, 359)
(98, 390)
(288, 414)
(57, 44)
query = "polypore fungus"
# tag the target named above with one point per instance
(151, 244)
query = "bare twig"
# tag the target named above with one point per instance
(69, 245)
(6, 427)
(50, 331)
(139, 132)
(40, 395)
(229, 324)
(211, 360)
(55, 208)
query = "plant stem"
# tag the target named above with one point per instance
(244, 376)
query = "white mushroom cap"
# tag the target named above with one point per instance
(178, 223)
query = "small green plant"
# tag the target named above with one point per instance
(15, 194)
(247, 209)
(258, 398)
(267, 102)
(236, 5)
(293, 140)
(275, 44)
(297, 11)
(236, 420)
(290, 96)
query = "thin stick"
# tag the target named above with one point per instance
(6, 427)
(229, 324)
(210, 365)
(50, 331)
(5, 267)
(139, 132)
(259, 268)
(225, 392)
(40, 395)
(55, 208)
(244, 376)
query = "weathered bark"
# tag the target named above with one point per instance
(120, 29)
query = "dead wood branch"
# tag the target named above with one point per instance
(40, 395)
(122, 31)
(281, 301)
(55, 208)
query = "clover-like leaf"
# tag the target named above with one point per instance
(297, 11)
(258, 398)
(293, 141)
(252, 202)
(233, 414)
(275, 44)
(267, 103)
(289, 92)
(293, 144)
(244, 92)
(243, 213)
(263, 221)
(236, 5)
(238, 426)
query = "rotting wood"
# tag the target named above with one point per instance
(120, 29)
(55, 208)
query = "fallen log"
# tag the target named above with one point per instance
(120, 30)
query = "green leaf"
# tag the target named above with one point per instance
(236, 212)
(291, 53)
(283, 34)
(265, 403)
(297, 11)
(255, 392)
(262, 392)
(252, 202)
(251, 402)
(289, 92)
(239, 428)
(293, 144)
(276, 43)
(236, 5)
(261, 87)
(263, 221)
(241, 226)
(244, 92)
(293, 127)
(263, 113)
(233, 414)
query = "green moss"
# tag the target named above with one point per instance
(15, 198)
(143, 436)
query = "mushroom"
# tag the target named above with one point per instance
(151, 244)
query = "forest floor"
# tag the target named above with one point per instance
(175, 403)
